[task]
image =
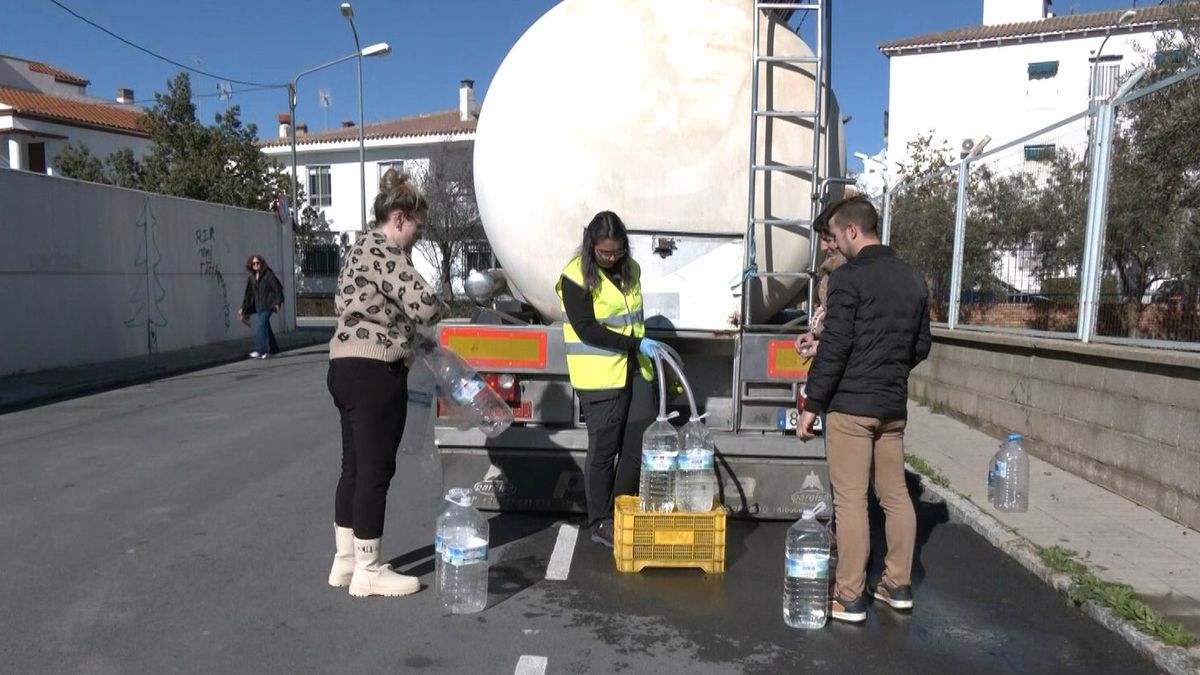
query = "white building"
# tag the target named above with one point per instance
(1021, 70)
(327, 164)
(873, 180)
(44, 108)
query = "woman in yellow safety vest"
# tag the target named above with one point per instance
(609, 359)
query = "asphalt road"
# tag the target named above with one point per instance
(185, 525)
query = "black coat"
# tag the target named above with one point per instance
(262, 294)
(876, 331)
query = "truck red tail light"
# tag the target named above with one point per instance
(504, 384)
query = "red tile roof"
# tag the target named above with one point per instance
(1148, 18)
(73, 112)
(429, 124)
(57, 73)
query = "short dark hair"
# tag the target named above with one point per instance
(821, 224)
(858, 210)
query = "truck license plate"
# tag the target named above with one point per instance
(788, 418)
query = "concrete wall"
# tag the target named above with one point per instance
(1126, 418)
(93, 273)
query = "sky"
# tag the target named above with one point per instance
(435, 44)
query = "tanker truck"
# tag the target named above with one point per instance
(710, 128)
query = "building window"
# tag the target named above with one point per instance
(320, 186)
(1043, 70)
(36, 153)
(1039, 153)
(397, 164)
(1169, 57)
(1106, 76)
(477, 255)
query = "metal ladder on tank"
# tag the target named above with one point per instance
(764, 167)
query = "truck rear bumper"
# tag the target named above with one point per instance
(765, 476)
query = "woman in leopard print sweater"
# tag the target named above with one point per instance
(381, 298)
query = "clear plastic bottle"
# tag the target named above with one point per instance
(695, 482)
(1012, 477)
(461, 545)
(471, 401)
(806, 573)
(660, 455)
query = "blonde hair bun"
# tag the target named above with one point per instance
(393, 181)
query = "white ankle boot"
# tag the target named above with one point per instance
(372, 577)
(343, 561)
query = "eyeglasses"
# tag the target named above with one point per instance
(610, 255)
(256, 263)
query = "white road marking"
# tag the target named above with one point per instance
(531, 665)
(564, 549)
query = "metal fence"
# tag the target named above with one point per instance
(319, 261)
(1086, 229)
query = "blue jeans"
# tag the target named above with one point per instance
(264, 337)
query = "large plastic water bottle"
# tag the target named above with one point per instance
(806, 580)
(471, 401)
(1012, 477)
(660, 454)
(461, 544)
(695, 482)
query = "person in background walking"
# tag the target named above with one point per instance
(263, 297)
(380, 300)
(608, 358)
(876, 332)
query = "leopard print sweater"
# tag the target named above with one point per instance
(380, 300)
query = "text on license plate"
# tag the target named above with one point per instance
(788, 418)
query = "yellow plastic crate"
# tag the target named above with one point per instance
(667, 539)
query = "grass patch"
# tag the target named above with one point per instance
(937, 408)
(927, 470)
(1119, 598)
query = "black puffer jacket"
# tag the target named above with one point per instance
(876, 331)
(263, 293)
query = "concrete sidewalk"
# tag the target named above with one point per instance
(18, 392)
(1117, 539)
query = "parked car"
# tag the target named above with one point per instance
(994, 290)
(1173, 291)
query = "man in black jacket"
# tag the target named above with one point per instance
(876, 332)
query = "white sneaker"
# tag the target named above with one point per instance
(264, 356)
(255, 355)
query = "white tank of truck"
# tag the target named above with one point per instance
(643, 108)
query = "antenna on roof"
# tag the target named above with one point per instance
(324, 99)
(224, 91)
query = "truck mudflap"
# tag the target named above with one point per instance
(760, 476)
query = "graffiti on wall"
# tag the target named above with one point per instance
(146, 301)
(206, 238)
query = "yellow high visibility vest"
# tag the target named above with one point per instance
(594, 367)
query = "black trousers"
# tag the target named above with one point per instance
(372, 397)
(616, 420)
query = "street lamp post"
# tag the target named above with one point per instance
(379, 49)
(1126, 16)
(348, 12)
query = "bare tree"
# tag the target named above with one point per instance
(453, 221)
